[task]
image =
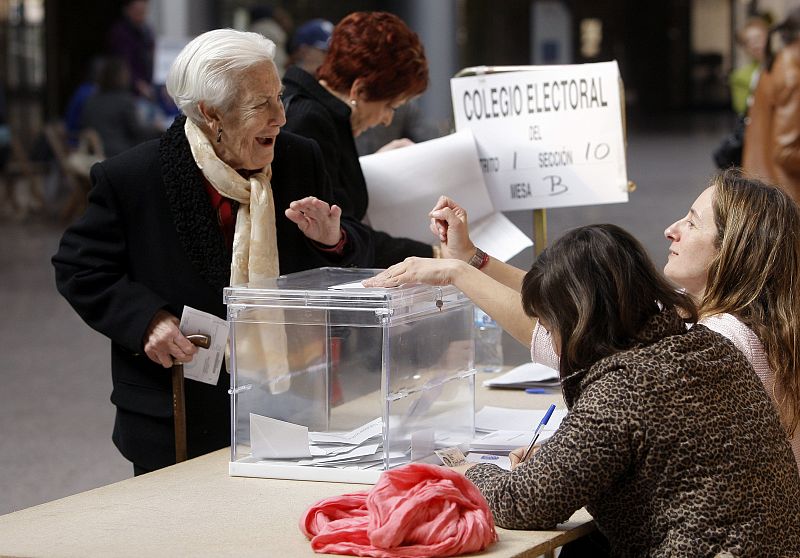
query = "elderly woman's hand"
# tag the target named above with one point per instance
(318, 220)
(449, 224)
(164, 343)
(417, 270)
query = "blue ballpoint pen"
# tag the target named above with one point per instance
(538, 431)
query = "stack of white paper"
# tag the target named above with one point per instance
(499, 432)
(525, 376)
(285, 443)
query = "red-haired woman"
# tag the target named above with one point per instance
(375, 63)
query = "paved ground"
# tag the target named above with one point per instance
(54, 405)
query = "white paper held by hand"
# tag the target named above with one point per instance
(206, 363)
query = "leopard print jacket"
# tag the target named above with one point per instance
(673, 446)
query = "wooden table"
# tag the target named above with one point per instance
(196, 509)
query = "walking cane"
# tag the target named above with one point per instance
(179, 401)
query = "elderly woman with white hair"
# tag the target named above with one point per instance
(223, 197)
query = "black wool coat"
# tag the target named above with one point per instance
(149, 240)
(312, 112)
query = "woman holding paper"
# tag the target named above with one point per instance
(665, 420)
(374, 65)
(223, 197)
(736, 254)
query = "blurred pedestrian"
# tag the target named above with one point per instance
(743, 80)
(309, 45)
(772, 136)
(263, 20)
(131, 39)
(112, 112)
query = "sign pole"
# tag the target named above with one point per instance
(539, 231)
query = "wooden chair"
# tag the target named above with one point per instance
(74, 164)
(19, 166)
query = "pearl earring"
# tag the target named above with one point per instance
(353, 102)
(219, 135)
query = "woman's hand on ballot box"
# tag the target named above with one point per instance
(429, 271)
(164, 343)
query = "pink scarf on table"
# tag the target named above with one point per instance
(414, 510)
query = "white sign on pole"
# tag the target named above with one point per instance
(549, 136)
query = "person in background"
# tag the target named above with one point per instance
(158, 235)
(667, 421)
(73, 116)
(772, 137)
(5, 132)
(374, 65)
(309, 45)
(736, 253)
(753, 40)
(111, 110)
(263, 21)
(131, 39)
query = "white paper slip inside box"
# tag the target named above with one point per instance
(354, 437)
(491, 418)
(277, 439)
(525, 376)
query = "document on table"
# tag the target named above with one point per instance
(404, 185)
(206, 363)
(491, 418)
(504, 441)
(502, 461)
(527, 375)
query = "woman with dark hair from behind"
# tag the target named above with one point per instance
(374, 65)
(665, 420)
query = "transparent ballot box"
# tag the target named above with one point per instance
(332, 381)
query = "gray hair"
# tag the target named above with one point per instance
(207, 68)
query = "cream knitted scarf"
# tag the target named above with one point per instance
(261, 348)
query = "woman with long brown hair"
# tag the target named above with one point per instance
(737, 253)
